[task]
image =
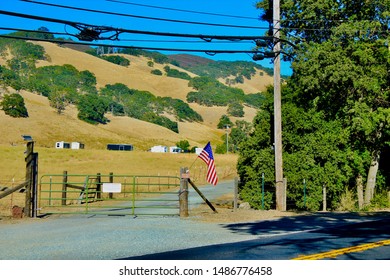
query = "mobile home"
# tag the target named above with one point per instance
(67, 145)
(159, 149)
(120, 147)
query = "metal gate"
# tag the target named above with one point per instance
(108, 194)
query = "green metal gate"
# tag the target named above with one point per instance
(108, 194)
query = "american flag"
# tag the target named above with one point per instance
(207, 156)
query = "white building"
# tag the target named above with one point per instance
(67, 145)
(198, 151)
(159, 149)
(76, 145)
(62, 145)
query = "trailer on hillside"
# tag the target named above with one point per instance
(159, 149)
(120, 147)
(67, 145)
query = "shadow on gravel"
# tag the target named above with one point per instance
(290, 237)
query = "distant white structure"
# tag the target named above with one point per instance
(159, 149)
(198, 151)
(62, 145)
(175, 150)
(76, 145)
(67, 145)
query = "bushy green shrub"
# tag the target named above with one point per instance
(156, 72)
(117, 59)
(236, 109)
(176, 73)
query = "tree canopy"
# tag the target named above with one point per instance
(336, 115)
(13, 105)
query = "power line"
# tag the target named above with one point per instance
(142, 17)
(97, 30)
(180, 41)
(182, 10)
(122, 40)
(207, 51)
(34, 31)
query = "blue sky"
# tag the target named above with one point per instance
(177, 10)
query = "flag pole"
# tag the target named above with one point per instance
(193, 163)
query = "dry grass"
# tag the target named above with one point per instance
(55, 161)
(136, 76)
(256, 84)
(48, 127)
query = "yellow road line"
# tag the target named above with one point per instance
(335, 253)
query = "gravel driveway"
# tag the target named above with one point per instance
(86, 237)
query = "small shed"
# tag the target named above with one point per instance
(76, 145)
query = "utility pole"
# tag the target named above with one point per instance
(227, 139)
(280, 190)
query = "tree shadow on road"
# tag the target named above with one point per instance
(290, 237)
(313, 221)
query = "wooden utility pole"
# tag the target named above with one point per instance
(280, 203)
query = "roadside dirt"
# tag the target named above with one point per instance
(227, 214)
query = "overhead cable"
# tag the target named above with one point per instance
(33, 31)
(182, 10)
(83, 27)
(142, 17)
(207, 51)
(122, 40)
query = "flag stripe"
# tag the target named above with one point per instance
(207, 156)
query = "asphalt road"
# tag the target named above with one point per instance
(95, 237)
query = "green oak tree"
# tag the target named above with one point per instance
(341, 80)
(13, 105)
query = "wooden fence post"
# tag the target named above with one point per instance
(29, 177)
(110, 195)
(64, 187)
(34, 186)
(183, 195)
(99, 186)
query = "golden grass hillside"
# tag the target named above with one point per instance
(55, 161)
(89, 162)
(258, 82)
(136, 76)
(48, 127)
